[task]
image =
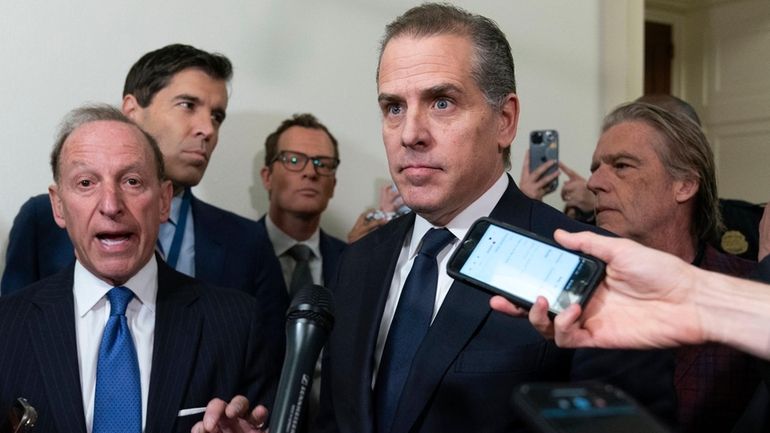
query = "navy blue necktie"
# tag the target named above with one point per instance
(118, 400)
(410, 324)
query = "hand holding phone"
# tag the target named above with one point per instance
(544, 147)
(521, 266)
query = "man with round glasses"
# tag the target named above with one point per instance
(301, 159)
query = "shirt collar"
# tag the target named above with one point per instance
(88, 289)
(176, 204)
(282, 241)
(461, 223)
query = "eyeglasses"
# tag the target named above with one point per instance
(296, 161)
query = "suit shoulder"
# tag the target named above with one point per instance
(210, 211)
(335, 243)
(547, 218)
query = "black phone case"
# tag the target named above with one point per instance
(626, 417)
(470, 241)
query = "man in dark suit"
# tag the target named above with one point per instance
(447, 95)
(301, 159)
(119, 341)
(178, 94)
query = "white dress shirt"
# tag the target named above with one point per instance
(282, 242)
(91, 314)
(459, 226)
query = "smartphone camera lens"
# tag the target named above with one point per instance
(537, 137)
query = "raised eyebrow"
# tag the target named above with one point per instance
(387, 98)
(188, 98)
(440, 90)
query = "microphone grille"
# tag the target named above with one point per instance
(314, 303)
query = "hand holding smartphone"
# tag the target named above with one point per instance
(521, 266)
(544, 147)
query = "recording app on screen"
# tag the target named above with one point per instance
(523, 267)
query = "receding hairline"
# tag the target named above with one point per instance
(137, 132)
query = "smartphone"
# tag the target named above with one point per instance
(521, 266)
(544, 147)
(589, 407)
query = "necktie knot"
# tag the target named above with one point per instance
(300, 252)
(434, 241)
(119, 298)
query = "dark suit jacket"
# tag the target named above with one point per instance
(467, 366)
(331, 250)
(228, 251)
(208, 343)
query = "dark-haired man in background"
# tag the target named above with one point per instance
(301, 159)
(178, 94)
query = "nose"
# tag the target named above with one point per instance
(598, 180)
(309, 170)
(205, 127)
(111, 201)
(415, 131)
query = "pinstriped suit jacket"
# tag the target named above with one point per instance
(208, 343)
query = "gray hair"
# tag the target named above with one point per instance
(492, 64)
(685, 154)
(94, 113)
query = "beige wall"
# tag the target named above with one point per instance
(572, 59)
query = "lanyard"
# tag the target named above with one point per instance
(176, 243)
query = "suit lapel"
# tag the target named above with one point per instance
(370, 295)
(209, 252)
(462, 312)
(55, 344)
(177, 337)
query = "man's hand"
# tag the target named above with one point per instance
(646, 299)
(364, 225)
(233, 417)
(575, 192)
(535, 184)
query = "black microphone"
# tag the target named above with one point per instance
(309, 321)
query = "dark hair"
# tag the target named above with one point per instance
(492, 64)
(685, 154)
(305, 120)
(154, 70)
(94, 113)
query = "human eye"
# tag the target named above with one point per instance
(394, 109)
(442, 103)
(218, 117)
(186, 104)
(84, 183)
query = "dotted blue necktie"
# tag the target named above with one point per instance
(118, 401)
(410, 324)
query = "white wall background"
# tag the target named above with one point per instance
(289, 56)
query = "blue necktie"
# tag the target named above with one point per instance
(118, 400)
(410, 324)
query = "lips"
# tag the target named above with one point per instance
(113, 239)
(197, 156)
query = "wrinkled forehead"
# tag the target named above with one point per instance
(106, 140)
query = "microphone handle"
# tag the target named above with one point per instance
(304, 341)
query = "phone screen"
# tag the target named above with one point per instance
(525, 267)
